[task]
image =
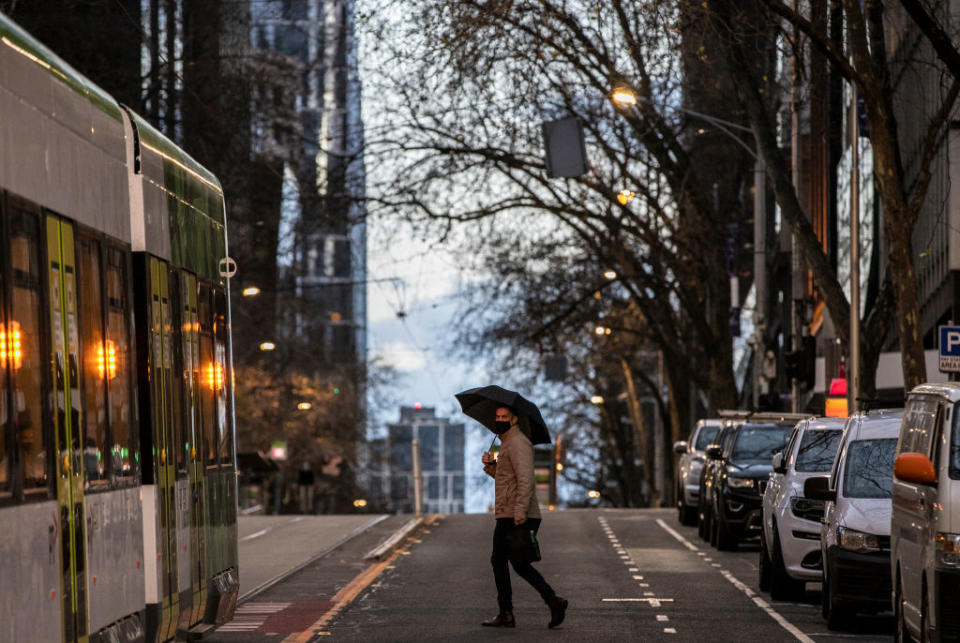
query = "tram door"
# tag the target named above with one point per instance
(161, 362)
(194, 433)
(64, 333)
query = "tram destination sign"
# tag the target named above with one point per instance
(950, 349)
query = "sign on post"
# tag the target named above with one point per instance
(950, 349)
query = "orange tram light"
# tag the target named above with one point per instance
(107, 359)
(214, 376)
(11, 346)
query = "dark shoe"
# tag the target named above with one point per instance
(558, 609)
(503, 619)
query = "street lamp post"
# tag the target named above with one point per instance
(626, 99)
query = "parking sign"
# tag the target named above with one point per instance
(950, 349)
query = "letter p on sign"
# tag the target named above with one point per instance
(953, 340)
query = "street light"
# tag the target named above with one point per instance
(593, 493)
(626, 99)
(625, 196)
(304, 406)
(251, 291)
(610, 274)
(267, 346)
(596, 399)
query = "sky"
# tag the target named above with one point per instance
(422, 281)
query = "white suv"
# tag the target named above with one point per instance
(790, 539)
(855, 533)
(925, 527)
(688, 469)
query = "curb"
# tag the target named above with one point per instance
(393, 541)
(246, 596)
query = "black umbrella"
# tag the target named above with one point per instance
(482, 403)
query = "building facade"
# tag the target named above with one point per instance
(442, 445)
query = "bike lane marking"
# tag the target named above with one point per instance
(740, 585)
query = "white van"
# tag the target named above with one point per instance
(925, 527)
(855, 531)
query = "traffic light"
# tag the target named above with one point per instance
(801, 364)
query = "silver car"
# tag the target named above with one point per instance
(688, 469)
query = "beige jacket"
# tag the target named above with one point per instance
(513, 473)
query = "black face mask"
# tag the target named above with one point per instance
(500, 427)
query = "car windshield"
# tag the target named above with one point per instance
(869, 469)
(705, 437)
(756, 443)
(817, 450)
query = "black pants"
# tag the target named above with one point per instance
(501, 574)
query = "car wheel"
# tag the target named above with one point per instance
(837, 615)
(763, 569)
(725, 540)
(902, 634)
(782, 586)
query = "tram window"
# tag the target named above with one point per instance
(220, 335)
(8, 350)
(176, 379)
(123, 448)
(207, 375)
(99, 363)
(26, 318)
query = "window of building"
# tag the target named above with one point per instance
(401, 457)
(429, 436)
(453, 447)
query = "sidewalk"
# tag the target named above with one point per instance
(273, 546)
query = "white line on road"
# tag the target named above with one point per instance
(255, 534)
(638, 578)
(637, 600)
(759, 602)
(663, 618)
(669, 630)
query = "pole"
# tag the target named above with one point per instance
(796, 285)
(759, 273)
(853, 372)
(417, 480)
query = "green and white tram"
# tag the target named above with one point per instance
(117, 445)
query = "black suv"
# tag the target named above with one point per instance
(741, 466)
(708, 475)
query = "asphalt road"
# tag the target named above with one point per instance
(630, 575)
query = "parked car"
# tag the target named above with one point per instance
(742, 470)
(925, 525)
(708, 474)
(688, 469)
(855, 533)
(790, 538)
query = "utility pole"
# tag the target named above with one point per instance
(417, 480)
(796, 265)
(853, 372)
(759, 273)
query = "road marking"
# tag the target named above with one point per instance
(716, 565)
(256, 534)
(638, 578)
(707, 559)
(759, 602)
(644, 584)
(349, 592)
(633, 569)
(669, 630)
(663, 618)
(637, 600)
